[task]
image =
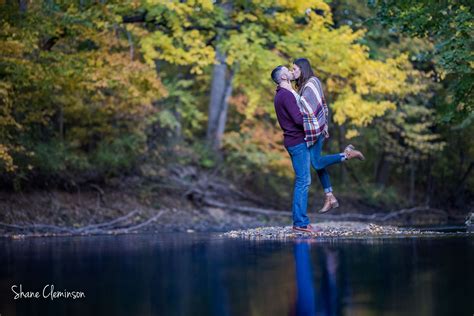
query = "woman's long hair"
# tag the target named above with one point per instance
(306, 72)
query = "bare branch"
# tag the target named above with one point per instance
(108, 224)
(141, 225)
(102, 228)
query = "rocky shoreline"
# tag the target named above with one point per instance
(333, 229)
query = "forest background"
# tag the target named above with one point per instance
(95, 93)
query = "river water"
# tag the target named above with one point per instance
(205, 274)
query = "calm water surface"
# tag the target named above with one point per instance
(204, 274)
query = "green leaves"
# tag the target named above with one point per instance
(450, 25)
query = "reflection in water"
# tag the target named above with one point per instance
(323, 301)
(203, 274)
(219, 294)
(328, 296)
(305, 301)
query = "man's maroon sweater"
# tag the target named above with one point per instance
(289, 117)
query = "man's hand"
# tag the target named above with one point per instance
(326, 131)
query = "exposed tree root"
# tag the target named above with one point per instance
(118, 225)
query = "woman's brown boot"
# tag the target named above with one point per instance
(330, 202)
(352, 153)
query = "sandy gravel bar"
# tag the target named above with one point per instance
(332, 229)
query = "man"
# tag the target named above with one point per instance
(291, 122)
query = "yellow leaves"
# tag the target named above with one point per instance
(195, 51)
(244, 49)
(136, 31)
(241, 17)
(101, 24)
(351, 107)
(283, 21)
(304, 6)
(6, 110)
(11, 48)
(136, 84)
(12, 42)
(352, 133)
(207, 5)
(376, 77)
(6, 161)
(253, 102)
(407, 133)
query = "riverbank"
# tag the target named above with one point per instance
(61, 213)
(178, 200)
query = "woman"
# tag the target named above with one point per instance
(315, 121)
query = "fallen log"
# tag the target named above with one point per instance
(36, 227)
(377, 217)
(135, 227)
(246, 209)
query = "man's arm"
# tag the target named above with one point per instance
(293, 109)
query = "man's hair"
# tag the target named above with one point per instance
(276, 74)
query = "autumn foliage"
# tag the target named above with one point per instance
(93, 88)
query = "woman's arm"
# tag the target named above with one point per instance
(311, 98)
(325, 106)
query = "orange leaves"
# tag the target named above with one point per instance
(240, 102)
(258, 145)
(84, 89)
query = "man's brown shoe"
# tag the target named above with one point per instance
(308, 228)
(330, 202)
(352, 153)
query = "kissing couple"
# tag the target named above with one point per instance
(303, 116)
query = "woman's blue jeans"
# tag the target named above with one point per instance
(301, 158)
(320, 162)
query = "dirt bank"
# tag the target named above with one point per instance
(181, 199)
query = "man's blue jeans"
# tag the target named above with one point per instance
(305, 299)
(301, 158)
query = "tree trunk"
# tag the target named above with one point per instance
(23, 5)
(178, 130)
(223, 115)
(429, 182)
(383, 170)
(341, 140)
(61, 124)
(221, 90)
(411, 196)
